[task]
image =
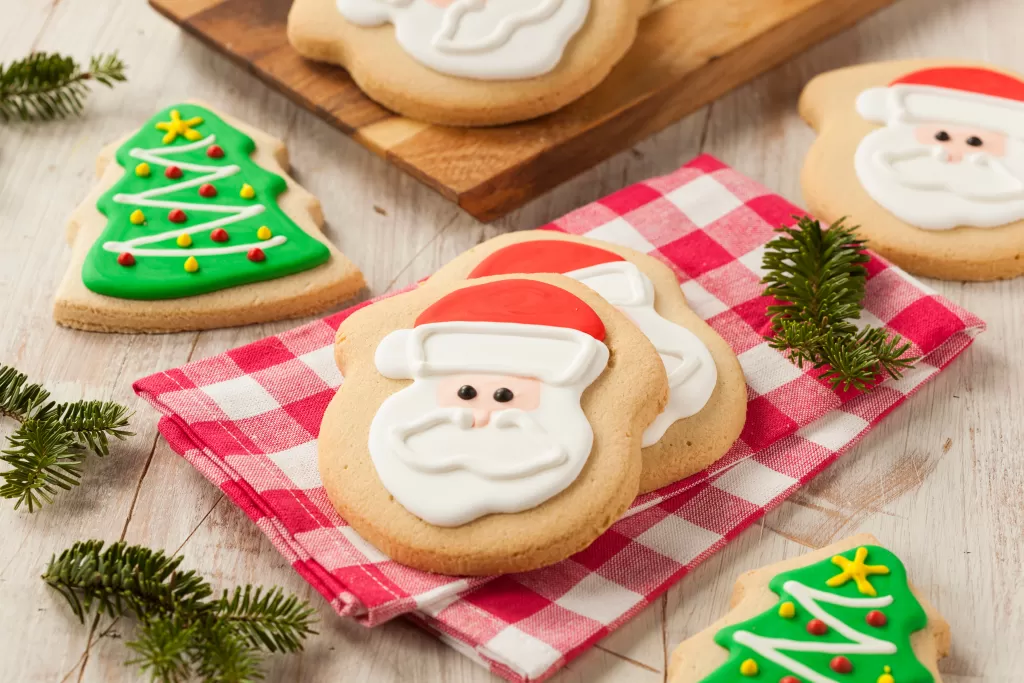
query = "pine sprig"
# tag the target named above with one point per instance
(820, 277)
(182, 628)
(47, 451)
(46, 86)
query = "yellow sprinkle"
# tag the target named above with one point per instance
(191, 265)
(787, 610)
(247, 191)
(137, 217)
(184, 240)
(264, 233)
(887, 677)
(749, 668)
(142, 170)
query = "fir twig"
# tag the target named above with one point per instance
(182, 629)
(820, 278)
(47, 451)
(46, 86)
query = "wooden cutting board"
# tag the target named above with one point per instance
(687, 54)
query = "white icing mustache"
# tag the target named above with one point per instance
(979, 177)
(520, 434)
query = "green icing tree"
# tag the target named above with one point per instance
(862, 611)
(193, 213)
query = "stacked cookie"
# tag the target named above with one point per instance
(469, 62)
(504, 414)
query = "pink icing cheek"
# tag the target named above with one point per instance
(440, 3)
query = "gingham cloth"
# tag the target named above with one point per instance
(248, 420)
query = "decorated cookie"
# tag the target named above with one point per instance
(845, 613)
(469, 62)
(708, 399)
(489, 426)
(928, 158)
(194, 225)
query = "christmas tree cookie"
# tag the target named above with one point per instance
(193, 225)
(844, 614)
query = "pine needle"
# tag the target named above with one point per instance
(182, 629)
(44, 87)
(820, 277)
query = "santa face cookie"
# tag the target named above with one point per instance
(490, 426)
(469, 62)
(928, 158)
(843, 613)
(707, 393)
(194, 225)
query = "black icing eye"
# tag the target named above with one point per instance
(467, 393)
(942, 136)
(503, 395)
(975, 141)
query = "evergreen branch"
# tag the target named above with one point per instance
(46, 86)
(225, 656)
(163, 649)
(183, 630)
(819, 276)
(93, 422)
(44, 459)
(270, 620)
(47, 451)
(125, 578)
(18, 398)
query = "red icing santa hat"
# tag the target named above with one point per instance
(967, 96)
(514, 327)
(616, 279)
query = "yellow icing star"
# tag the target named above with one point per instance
(858, 571)
(178, 126)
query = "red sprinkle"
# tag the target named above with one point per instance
(789, 679)
(173, 172)
(256, 255)
(219, 235)
(841, 665)
(126, 259)
(876, 619)
(177, 216)
(215, 151)
(817, 627)
(207, 190)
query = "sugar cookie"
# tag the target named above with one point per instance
(469, 62)
(489, 426)
(176, 235)
(927, 157)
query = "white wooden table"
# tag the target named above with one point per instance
(941, 481)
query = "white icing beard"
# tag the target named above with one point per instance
(692, 373)
(480, 39)
(919, 186)
(448, 473)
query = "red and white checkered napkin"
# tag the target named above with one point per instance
(248, 419)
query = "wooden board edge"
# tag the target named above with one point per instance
(181, 10)
(488, 201)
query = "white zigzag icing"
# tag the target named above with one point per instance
(237, 213)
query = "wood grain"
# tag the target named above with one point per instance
(953, 512)
(687, 54)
